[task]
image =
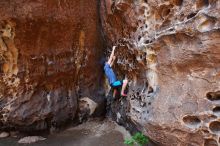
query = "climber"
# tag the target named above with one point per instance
(114, 83)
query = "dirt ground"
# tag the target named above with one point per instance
(91, 133)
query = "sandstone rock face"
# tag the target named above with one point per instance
(170, 51)
(50, 54)
(49, 57)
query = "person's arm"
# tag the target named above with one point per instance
(113, 60)
(112, 55)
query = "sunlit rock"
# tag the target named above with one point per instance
(171, 53)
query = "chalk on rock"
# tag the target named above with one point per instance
(4, 134)
(31, 139)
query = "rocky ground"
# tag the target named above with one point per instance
(92, 133)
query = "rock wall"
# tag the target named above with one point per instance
(50, 52)
(170, 51)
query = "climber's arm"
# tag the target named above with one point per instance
(113, 60)
(112, 55)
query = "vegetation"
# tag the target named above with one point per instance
(138, 139)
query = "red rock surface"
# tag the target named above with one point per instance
(50, 53)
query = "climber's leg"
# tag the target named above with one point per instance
(124, 85)
(114, 93)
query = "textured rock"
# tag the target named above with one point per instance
(48, 51)
(50, 54)
(170, 51)
(31, 139)
(88, 103)
(86, 108)
(4, 134)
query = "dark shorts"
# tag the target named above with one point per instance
(117, 84)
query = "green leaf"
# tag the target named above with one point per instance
(129, 142)
(139, 138)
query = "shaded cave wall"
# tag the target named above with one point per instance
(50, 57)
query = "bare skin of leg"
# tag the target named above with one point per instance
(124, 85)
(114, 93)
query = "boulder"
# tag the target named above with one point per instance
(31, 139)
(4, 134)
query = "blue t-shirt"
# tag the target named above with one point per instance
(109, 73)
